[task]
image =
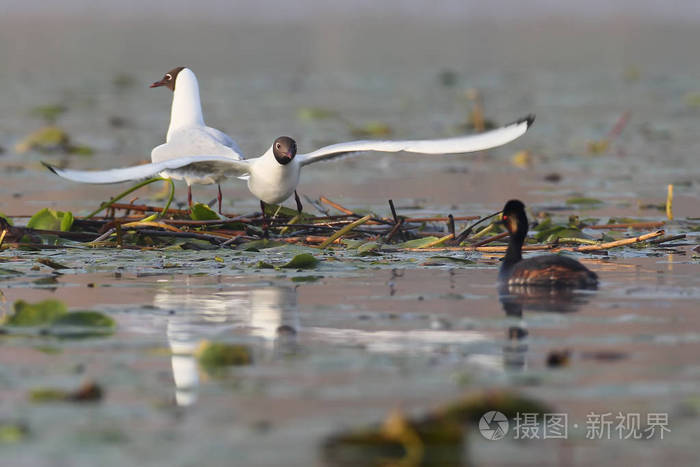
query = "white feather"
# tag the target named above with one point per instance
(459, 144)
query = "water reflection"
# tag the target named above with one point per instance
(269, 313)
(517, 298)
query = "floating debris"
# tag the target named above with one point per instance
(87, 392)
(212, 355)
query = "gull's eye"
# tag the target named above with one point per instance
(278, 145)
(168, 76)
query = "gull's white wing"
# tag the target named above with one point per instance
(459, 144)
(224, 139)
(206, 166)
(197, 141)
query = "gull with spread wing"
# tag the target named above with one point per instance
(274, 176)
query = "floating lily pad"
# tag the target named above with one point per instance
(316, 113)
(220, 354)
(372, 129)
(87, 392)
(302, 261)
(453, 260)
(50, 113)
(46, 139)
(86, 318)
(263, 265)
(418, 242)
(583, 201)
(257, 245)
(558, 231)
(368, 248)
(12, 432)
(202, 212)
(36, 314)
(80, 150)
(48, 219)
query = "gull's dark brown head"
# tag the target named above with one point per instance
(168, 79)
(284, 149)
(514, 216)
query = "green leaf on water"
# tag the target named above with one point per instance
(220, 354)
(372, 129)
(202, 212)
(418, 242)
(368, 248)
(274, 210)
(583, 201)
(12, 432)
(48, 112)
(263, 265)
(51, 263)
(80, 150)
(302, 261)
(453, 260)
(40, 395)
(558, 231)
(306, 278)
(46, 139)
(85, 318)
(7, 219)
(315, 113)
(36, 314)
(49, 219)
(257, 245)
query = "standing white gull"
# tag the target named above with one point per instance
(187, 134)
(274, 176)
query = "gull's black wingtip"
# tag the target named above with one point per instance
(50, 167)
(530, 119)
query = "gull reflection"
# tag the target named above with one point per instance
(517, 298)
(268, 313)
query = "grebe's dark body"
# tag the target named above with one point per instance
(546, 270)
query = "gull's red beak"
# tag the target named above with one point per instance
(157, 84)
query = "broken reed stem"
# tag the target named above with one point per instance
(441, 219)
(438, 242)
(492, 239)
(337, 206)
(576, 240)
(393, 211)
(132, 225)
(629, 225)
(626, 241)
(2, 236)
(585, 248)
(344, 231)
(145, 208)
(669, 202)
(394, 230)
(669, 238)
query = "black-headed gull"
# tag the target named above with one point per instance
(274, 176)
(187, 134)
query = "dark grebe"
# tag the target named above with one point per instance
(545, 271)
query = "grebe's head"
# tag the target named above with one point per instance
(284, 149)
(169, 79)
(514, 217)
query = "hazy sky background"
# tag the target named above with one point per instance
(284, 10)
